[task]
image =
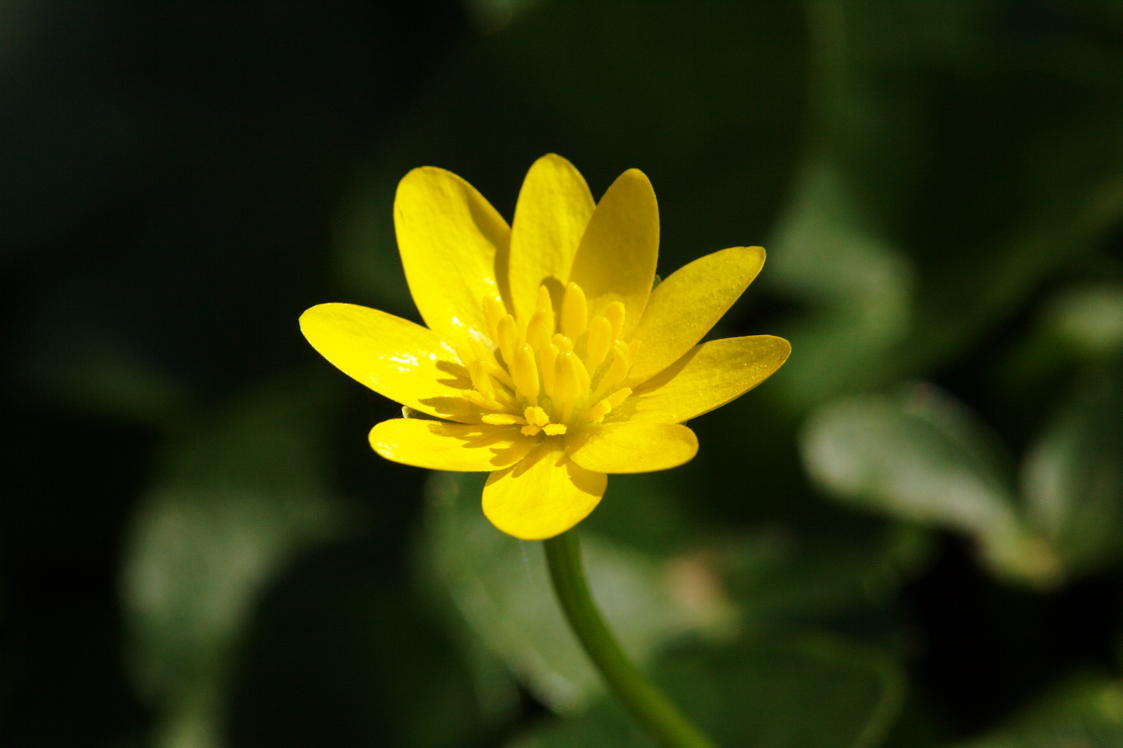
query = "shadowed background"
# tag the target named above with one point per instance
(907, 537)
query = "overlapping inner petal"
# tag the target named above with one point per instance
(552, 371)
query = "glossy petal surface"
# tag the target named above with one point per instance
(453, 246)
(394, 357)
(554, 208)
(684, 307)
(617, 256)
(707, 377)
(440, 445)
(634, 447)
(542, 496)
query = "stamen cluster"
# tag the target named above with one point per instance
(550, 373)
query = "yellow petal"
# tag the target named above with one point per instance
(454, 249)
(440, 445)
(394, 357)
(684, 307)
(634, 447)
(707, 377)
(542, 496)
(553, 210)
(616, 259)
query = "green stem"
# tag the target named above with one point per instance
(646, 703)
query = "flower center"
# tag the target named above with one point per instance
(552, 372)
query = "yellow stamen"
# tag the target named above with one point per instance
(480, 379)
(575, 311)
(598, 343)
(597, 413)
(582, 377)
(564, 344)
(540, 329)
(508, 341)
(614, 312)
(536, 416)
(567, 387)
(501, 419)
(619, 396)
(538, 372)
(547, 360)
(493, 312)
(618, 366)
(524, 371)
(484, 403)
(544, 303)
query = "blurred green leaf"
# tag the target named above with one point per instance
(857, 287)
(1085, 713)
(780, 575)
(342, 650)
(918, 455)
(771, 692)
(1073, 476)
(1090, 318)
(233, 496)
(907, 98)
(501, 587)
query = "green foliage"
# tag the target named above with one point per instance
(920, 456)
(772, 691)
(233, 498)
(197, 547)
(499, 584)
(1087, 711)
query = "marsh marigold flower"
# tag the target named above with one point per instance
(551, 357)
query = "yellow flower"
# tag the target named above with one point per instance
(549, 359)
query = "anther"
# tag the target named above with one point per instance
(544, 303)
(493, 312)
(575, 311)
(547, 361)
(540, 329)
(564, 344)
(508, 341)
(614, 312)
(567, 388)
(524, 370)
(536, 416)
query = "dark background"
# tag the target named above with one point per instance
(908, 537)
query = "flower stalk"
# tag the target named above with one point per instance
(646, 703)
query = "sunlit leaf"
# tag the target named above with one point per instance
(916, 455)
(1073, 476)
(1090, 318)
(920, 456)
